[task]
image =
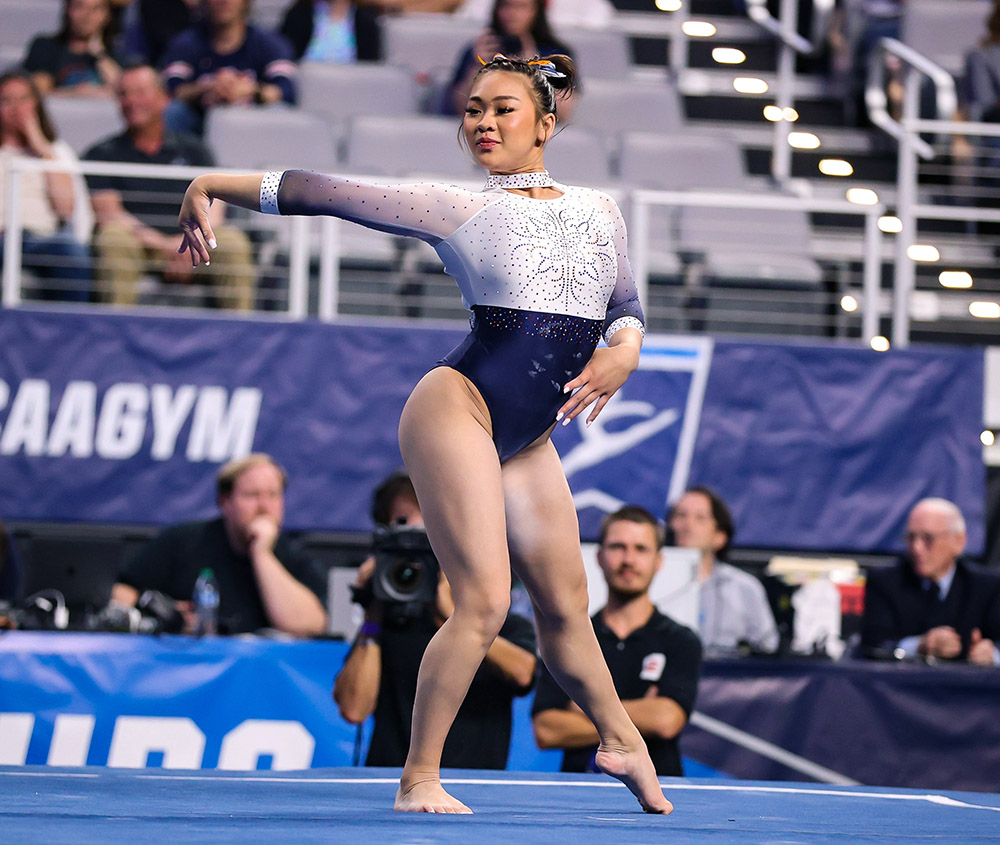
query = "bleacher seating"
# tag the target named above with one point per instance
(83, 122)
(271, 138)
(338, 93)
(22, 20)
(615, 106)
(418, 145)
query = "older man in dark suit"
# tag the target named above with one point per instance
(931, 603)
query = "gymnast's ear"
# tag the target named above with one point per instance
(546, 125)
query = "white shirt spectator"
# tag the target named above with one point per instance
(734, 609)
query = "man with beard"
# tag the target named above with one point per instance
(655, 662)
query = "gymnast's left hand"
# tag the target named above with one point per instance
(606, 371)
(193, 220)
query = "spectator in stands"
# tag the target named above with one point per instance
(857, 27)
(931, 603)
(562, 14)
(48, 200)
(734, 612)
(136, 228)
(980, 96)
(380, 673)
(154, 25)
(264, 581)
(80, 60)
(225, 60)
(10, 571)
(518, 29)
(655, 662)
(339, 31)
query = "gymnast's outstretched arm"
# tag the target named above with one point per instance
(429, 211)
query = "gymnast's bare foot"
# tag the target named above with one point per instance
(426, 795)
(634, 768)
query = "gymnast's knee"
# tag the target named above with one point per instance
(485, 609)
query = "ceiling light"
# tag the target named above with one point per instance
(922, 252)
(880, 343)
(835, 167)
(985, 310)
(862, 196)
(790, 114)
(955, 279)
(750, 85)
(698, 29)
(803, 140)
(890, 225)
(848, 303)
(668, 5)
(728, 55)
(987, 438)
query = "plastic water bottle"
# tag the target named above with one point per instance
(206, 604)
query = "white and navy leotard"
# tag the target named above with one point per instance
(543, 279)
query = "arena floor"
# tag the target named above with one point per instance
(42, 804)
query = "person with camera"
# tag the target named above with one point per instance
(380, 673)
(263, 581)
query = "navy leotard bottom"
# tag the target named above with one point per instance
(519, 362)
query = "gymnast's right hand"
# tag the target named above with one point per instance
(193, 220)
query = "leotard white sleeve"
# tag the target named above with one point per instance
(624, 308)
(426, 210)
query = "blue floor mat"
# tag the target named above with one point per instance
(353, 806)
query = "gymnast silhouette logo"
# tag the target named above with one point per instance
(639, 450)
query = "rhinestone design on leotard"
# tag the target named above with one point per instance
(624, 323)
(538, 179)
(535, 324)
(564, 255)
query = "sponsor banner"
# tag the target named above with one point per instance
(126, 419)
(229, 703)
(131, 702)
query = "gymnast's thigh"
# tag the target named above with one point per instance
(543, 532)
(446, 443)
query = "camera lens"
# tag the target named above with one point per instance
(405, 576)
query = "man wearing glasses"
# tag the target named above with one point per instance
(932, 604)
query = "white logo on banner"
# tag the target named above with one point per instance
(606, 440)
(178, 741)
(114, 426)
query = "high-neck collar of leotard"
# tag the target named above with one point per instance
(538, 179)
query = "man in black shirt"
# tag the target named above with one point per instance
(137, 215)
(264, 582)
(380, 673)
(655, 662)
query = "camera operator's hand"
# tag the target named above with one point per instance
(374, 609)
(444, 604)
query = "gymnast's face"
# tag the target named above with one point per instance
(502, 126)
(629, 557)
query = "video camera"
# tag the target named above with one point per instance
(406, 571)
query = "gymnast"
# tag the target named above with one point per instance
(543, 268)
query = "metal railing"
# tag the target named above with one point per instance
(871, 251)
(785, 29)
(892, 63)
(329, 270)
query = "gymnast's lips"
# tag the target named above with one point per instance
(487, 143)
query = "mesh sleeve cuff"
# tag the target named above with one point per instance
(269, 191)
(624, 323)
